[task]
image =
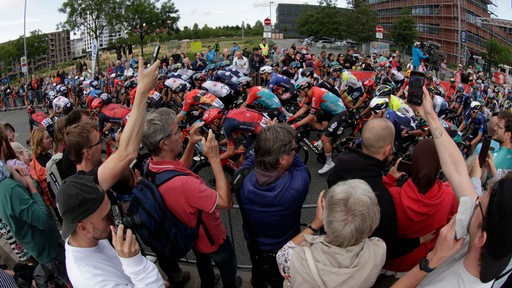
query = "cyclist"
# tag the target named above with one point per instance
(395, 103)
(233, 123)
(39, 119)
(452, 89)
(395, 76)
(197, 80)
(155, 100)
(440, 105)
(280, 85)
(464, 101)
(60, 104)
(351, 90)
(109, 115)
(196, 102)
(265, 74)
(268, 101)
(475, 120)
(323, 107)
(227, 78)
(222, 91)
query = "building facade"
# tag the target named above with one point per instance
(455, 24)
(108, 36)
(59, 47)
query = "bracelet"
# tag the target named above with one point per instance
(313, 229)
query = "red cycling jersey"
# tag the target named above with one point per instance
(243, 120)
(199, 99)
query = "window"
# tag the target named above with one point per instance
(425, 10)
(428, 28)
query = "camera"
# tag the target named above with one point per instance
(129, 222)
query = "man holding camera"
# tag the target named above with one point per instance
(90, 259)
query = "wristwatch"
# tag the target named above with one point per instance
(424, 265)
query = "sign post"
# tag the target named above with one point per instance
(94, 55)
(267, 28)
(379, 32)
(24, 66)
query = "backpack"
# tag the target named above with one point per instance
(52, 172)
(165, 234)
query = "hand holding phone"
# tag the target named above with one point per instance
(416, 82)
(404, 166)
(484, 150)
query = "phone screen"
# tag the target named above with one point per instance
(415, 95)
(155, 54)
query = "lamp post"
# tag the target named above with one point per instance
(270, 17)
(243, 27)
(25, 35)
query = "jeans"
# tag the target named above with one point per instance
(171, 268)
(224, 258)
(264, 269)
(56, 267)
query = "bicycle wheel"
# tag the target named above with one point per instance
(204, 170)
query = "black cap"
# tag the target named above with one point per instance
(78, 197)
(497, 250)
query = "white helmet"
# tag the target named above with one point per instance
(417, 44)
(265, 69)
(475, 105)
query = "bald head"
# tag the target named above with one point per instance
(491, 124)
(378, 134)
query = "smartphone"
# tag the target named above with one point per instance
(155, 54)
(463, 216)
(404, 166)
(484, 150)
(416, 82)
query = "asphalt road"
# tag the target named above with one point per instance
(19, 119)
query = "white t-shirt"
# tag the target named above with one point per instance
(101, 267)
(453, 274)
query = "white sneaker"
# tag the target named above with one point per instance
(328, 166)
(198, 158)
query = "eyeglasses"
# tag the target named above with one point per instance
(375, 112)
(477, 202)
(95, 144)
(474, 111)
(178, 131)
(293, 149)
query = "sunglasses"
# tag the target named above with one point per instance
(95, 144)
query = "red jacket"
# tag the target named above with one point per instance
(418, 215)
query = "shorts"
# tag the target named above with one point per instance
(335, 124)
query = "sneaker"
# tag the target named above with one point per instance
(328, 166)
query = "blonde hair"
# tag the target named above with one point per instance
(36, 139)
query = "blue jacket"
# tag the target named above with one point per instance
(417, 55)
(274, 210)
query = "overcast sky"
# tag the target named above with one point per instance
(44, 15)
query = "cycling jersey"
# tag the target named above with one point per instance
(329, 87)
(227, 78)
(243, 120)
(235, 71)
(59, 103)
(440, 105)
(324, 100)
(176, 75)
(279, 83)
(173, 82)
(400, 122)
(396, 76)
(351, 82)
(39, 119)
(155, 100)
(112, 113)
(218, 89)
(479, 123)
(264, 97)
(199, 99)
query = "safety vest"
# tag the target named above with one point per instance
(264, 49)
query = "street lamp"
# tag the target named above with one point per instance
(25, 35)
(270, 17)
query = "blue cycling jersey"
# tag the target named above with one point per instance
(227, 78)
(479, 123)
(400, 122)
(279, 81)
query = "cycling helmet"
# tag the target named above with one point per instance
(179, 88)
(94, 85)
(496, 90)
(333, 64)
(244, 82)
(209, 67)
(378, 104)
(211, 114)
(67, 108)
(52, 95)
(434, 90)
(225, 63)
(475, 105)
(337, 68)
(383, 63)
(295, 64)
(97, 103)
(429, 76)
(31, 109)
(452, 80)
(175, 67)
(508, 105)
(265, 69)
(460, 88)
(104, 96)
(302, 83)
(62, 90)
(308, 72)
(130, 84)
(199, 77)
(383, 91)
(369, 83)
(476, 87)
(288, 73)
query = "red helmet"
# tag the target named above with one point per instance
(97, 103)
(369, 83)
(212, 114)
(31, 109)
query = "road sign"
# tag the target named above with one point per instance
(24, 66)
(267, 22)
(266, 28)
(378, 35)
(379, 29)
(462, 36)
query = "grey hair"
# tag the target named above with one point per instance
(156, 127)
(272, 142)
(351, 213)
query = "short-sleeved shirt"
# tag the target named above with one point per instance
(184, 196)
(264, 97)
(112, 113)
(199, 99)
(243, 120)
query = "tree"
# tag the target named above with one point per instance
(498, 53)
(403, 32)
(91, 16)
(144, 17)
(324, 21)
(361, 21)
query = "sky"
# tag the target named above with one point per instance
(44, 15)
